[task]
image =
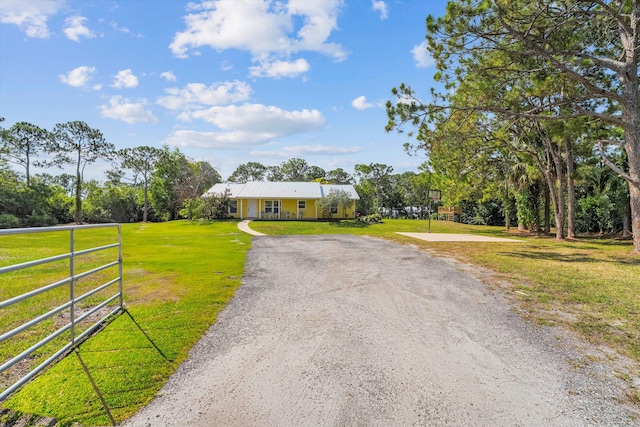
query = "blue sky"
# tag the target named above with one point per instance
(226, 81)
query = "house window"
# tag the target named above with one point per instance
(302, 204)
(334, 208)
(233, 206)
(272, 206)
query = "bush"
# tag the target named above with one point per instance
(371, 219)
(595, 214)
(210, 208)
(40, 220)
(9, 221)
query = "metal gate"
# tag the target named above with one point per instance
(73, 299)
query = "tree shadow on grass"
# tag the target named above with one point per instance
(349, 224)
(105, 393)
(569, 258)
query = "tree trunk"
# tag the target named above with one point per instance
(534, 201)
(27, 169)
(632, 146)
(626, 221)
(634, 192)
(558, 195)
(558, 208)
(631, 117)
(505, 208)
(145, 208)
(547, 211)
(571, 195)
(78, 193)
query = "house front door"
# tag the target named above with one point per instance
(252, 208)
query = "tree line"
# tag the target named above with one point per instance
(540, 102)
(153, 184)
(160, 184)
(144, 183)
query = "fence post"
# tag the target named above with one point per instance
(72, 284)
(120, 265)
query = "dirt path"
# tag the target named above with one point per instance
(355, 331)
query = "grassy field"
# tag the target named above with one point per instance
(178, 276)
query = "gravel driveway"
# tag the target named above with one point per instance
(355, 331)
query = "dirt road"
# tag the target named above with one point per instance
(355, 331)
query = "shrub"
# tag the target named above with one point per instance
(212, 207)
(9, 221)
(40, 220)
(371, 219)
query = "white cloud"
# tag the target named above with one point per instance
(305, 150)
(279, 69)
(120, 108)
(117, 27)
(325, 150)
(78, 77)
(246, 125)
(268, 121)
(214, 140)
(75, 28)
(168, 76)
(125, 78)
(124, 30)
(320, 19)
(421, 55)
(381, 7)
(279, 30)
(270, 154)
(361, 103)
(30, 15)
(198, 95)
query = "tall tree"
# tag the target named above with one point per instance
(275, 174)
(172, 171)
(339, 176)
(316, 173)
(592, 44)
(142, 162)
(75, 143)
(295, 170)
(20, 143)
(193, 184)
(379, 177)
(250, 171)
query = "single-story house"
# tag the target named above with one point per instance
(283, 200)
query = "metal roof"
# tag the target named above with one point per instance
(328, 188)
(279, 190)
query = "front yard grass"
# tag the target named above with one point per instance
(177, 277)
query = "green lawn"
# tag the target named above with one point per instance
(178, 275)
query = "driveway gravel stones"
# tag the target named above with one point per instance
(354, 331)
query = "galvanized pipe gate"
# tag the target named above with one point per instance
(73, 300)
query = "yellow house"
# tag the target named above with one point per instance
(283, 200)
